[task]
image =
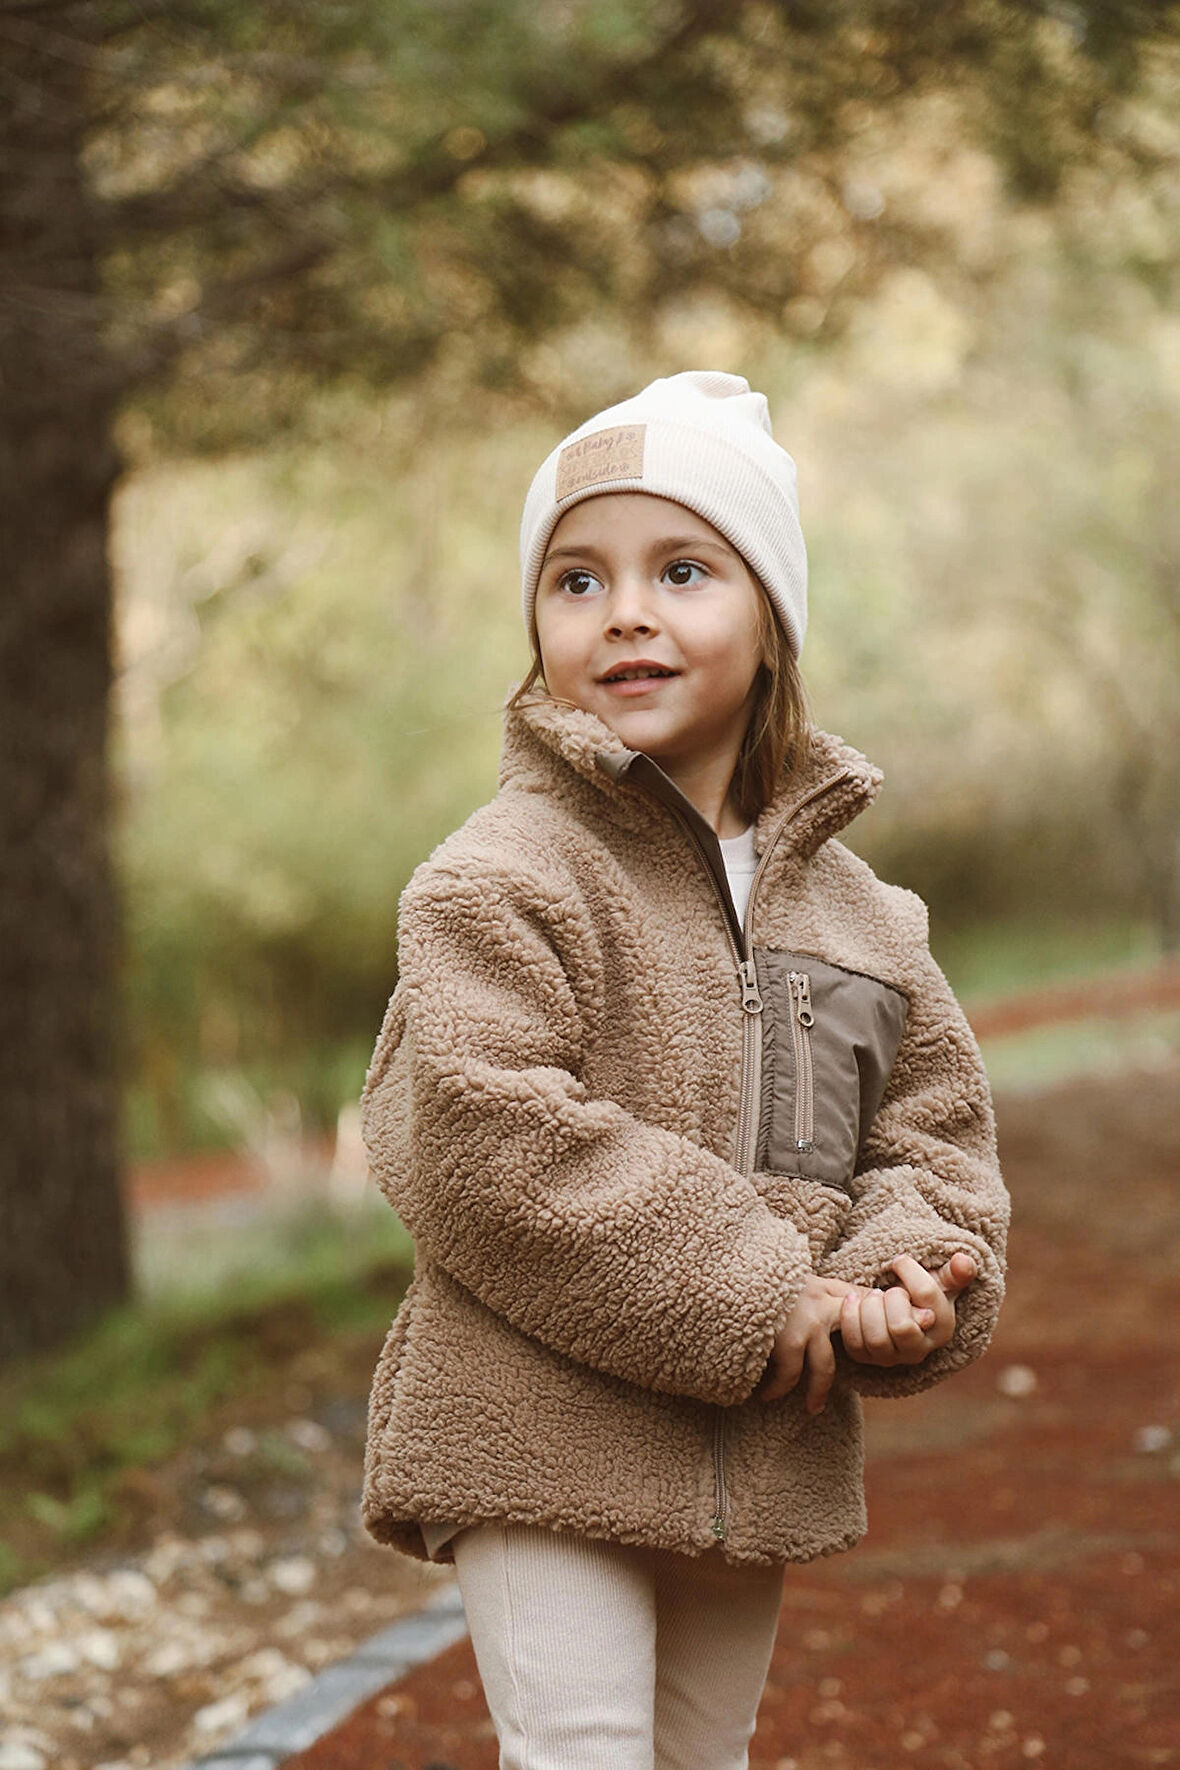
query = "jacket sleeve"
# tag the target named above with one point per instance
(928, 1183)
(614, 1241)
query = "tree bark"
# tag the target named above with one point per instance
(63, 1253)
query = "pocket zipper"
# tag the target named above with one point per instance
(802, 1021)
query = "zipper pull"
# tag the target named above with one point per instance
(719, 1528)
(800, 983)
(751, 999)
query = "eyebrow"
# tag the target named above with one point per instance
(664, 545)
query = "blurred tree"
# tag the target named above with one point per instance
(210, 210)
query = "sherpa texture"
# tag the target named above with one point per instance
(551, 1109)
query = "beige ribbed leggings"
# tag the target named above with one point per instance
(602, 1656)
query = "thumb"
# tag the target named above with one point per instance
(957, 1274)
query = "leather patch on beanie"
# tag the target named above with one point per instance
(602, 456)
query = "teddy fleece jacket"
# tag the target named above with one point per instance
(623, 1127)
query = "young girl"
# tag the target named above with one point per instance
(694, 1142)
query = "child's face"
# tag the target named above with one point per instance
(630, 577)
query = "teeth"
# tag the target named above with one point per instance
(635, 675)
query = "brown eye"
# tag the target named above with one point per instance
(684, 565)
(577, 582)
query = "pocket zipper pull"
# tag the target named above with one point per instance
(751, 999)
(801, 990)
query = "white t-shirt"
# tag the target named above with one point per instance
(741, 863)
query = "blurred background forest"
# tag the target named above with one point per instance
(293, 301)
(317, 627)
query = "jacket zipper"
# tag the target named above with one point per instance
(802, 1021)
(751, 1074)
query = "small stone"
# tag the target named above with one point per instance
(55, 1660)
(263, 1663)
(299, 1619)
(214, 1550)
(224, 1502)
(100, 1648)
(1076, 1686)
(308, 1435)
(228, 1711)
(397, 1703)
(239, 1441)
(16, 1754)
(167, 1661)
(996, 1660)
(1032, 1747)
(950, 1597)
(293, 1576)
(829, 1687)
(1149, 1441)
(40, 1616)
(247, 1543)
(333, 1542)
(1069, 1656)
(912, 1742)
(1000, 1720)
(1017, 1381)
(1136, 1637)
(127, 1595)
(286, 1682)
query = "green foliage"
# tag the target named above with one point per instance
(284, 197)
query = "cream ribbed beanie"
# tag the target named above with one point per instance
(703, 439)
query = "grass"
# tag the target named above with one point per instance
(1027, 1061)
(1026, 952)
(142, 1382)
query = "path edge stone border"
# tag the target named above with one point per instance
(300, 1720)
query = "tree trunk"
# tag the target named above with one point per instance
(63, 1254)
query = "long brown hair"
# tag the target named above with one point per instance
(778, 736)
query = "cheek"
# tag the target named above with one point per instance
(561, 647)
(731, 659)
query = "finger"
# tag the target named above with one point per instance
(821, 1370)
(850, 1328)
(786, 1366)
(878, 1343)
(922, 1285)
(909, 1342)
(956, 1274)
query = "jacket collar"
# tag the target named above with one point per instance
(544, 742)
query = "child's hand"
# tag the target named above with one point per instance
(805, 1338)
(907, 1323)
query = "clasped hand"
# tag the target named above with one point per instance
(902, 1325)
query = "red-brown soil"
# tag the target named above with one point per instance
(1016, 1599)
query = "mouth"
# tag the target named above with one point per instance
(636, 673)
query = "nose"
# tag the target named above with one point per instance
(629, 608)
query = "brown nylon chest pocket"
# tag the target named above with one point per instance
(829, 1040)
